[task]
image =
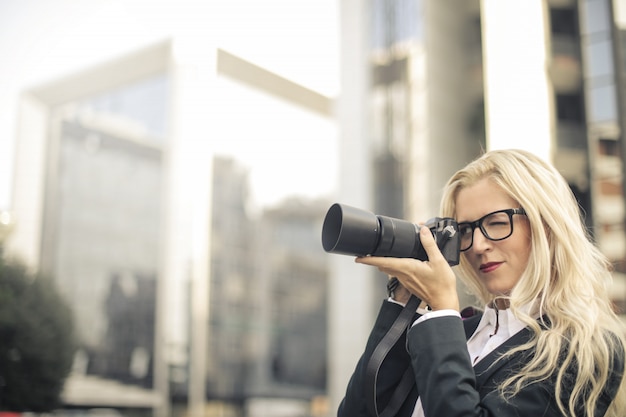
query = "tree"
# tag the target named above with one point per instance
(36, 341)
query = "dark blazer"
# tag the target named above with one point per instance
(447, 383)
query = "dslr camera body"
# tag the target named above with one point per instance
(351, 231)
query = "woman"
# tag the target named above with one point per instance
(548, 343)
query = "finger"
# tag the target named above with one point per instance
(370, 260)
(379, 262)
(430, 246)
(387, 265)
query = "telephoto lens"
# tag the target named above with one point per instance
(351, 231)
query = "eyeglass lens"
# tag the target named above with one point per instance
(494, 226)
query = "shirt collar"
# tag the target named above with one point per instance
(508, 322)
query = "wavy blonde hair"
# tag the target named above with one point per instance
(566, 275)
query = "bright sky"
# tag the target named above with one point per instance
(41, 40)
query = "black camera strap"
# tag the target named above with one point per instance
(400, 325)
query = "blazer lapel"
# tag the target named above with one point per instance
(490, 363)
(471, 324)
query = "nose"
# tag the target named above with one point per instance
(479, 242)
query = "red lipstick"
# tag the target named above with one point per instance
(490, 266)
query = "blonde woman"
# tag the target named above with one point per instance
(548, 342)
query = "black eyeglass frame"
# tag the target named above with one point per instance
(479, 224)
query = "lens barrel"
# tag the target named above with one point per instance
(351, 231)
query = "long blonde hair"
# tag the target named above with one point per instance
(566, 275)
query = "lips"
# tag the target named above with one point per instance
(490, 266)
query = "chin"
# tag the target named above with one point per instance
(499, 291)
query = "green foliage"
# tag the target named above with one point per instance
(36, 341)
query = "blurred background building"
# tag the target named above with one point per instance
(193, 300)
(122, 209)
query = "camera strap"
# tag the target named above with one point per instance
(400, 325)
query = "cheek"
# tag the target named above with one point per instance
(521, 254)
(523, 246)
(524, 255)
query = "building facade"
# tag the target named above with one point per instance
(120, 198)
(102, 201)
(292, 298)
(267, 326)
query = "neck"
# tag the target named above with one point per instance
(499, 304)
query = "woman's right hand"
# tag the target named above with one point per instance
(432, 281)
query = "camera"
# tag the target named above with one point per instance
(351, 231)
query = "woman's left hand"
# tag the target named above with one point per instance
(433, 281)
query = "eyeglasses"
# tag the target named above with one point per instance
(497, 225)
